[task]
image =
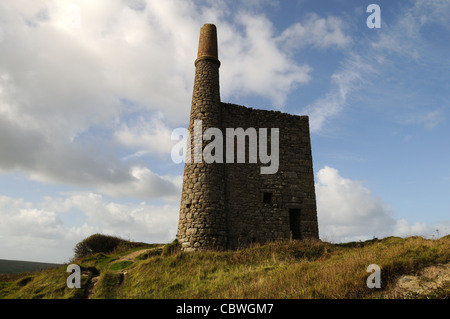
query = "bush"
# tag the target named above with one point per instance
(97, 243)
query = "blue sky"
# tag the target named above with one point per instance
(90, 93)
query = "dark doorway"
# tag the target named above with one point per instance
(294, 222)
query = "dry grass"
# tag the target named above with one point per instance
(306, 269)
(310, 269)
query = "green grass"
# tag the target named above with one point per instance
(108, 284)
(49, 284)
(307, 269)
(120, 265)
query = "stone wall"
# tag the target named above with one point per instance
(231, 205)
(250, 216)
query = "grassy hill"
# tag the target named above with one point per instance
(298, 269)
(18, 266)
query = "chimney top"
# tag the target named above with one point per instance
(207, 45)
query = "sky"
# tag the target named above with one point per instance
(90, 92)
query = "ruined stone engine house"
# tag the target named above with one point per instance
(231, 205)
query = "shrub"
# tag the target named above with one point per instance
(97, 243)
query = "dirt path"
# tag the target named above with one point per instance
(132, 256)
(128, 257)
(91, 288)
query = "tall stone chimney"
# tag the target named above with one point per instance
(207, 45)
(202, 222)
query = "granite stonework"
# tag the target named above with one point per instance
(231, 205)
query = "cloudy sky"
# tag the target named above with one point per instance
(91, 92)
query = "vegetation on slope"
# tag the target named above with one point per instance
(18, 266)
(100, 243)
(297, 269)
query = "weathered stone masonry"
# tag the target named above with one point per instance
(230, 205)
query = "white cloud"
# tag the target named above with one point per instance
(149, 136)
(433, 11)
(84, 91)
(141, 221)
(429, 120)
(317, 32)
(348, 79)
(144, 185)
(38, 230)
(403, 228)
(348, 211)
(404, 36)
(30, 231)
(252, 63)
(259, 61)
